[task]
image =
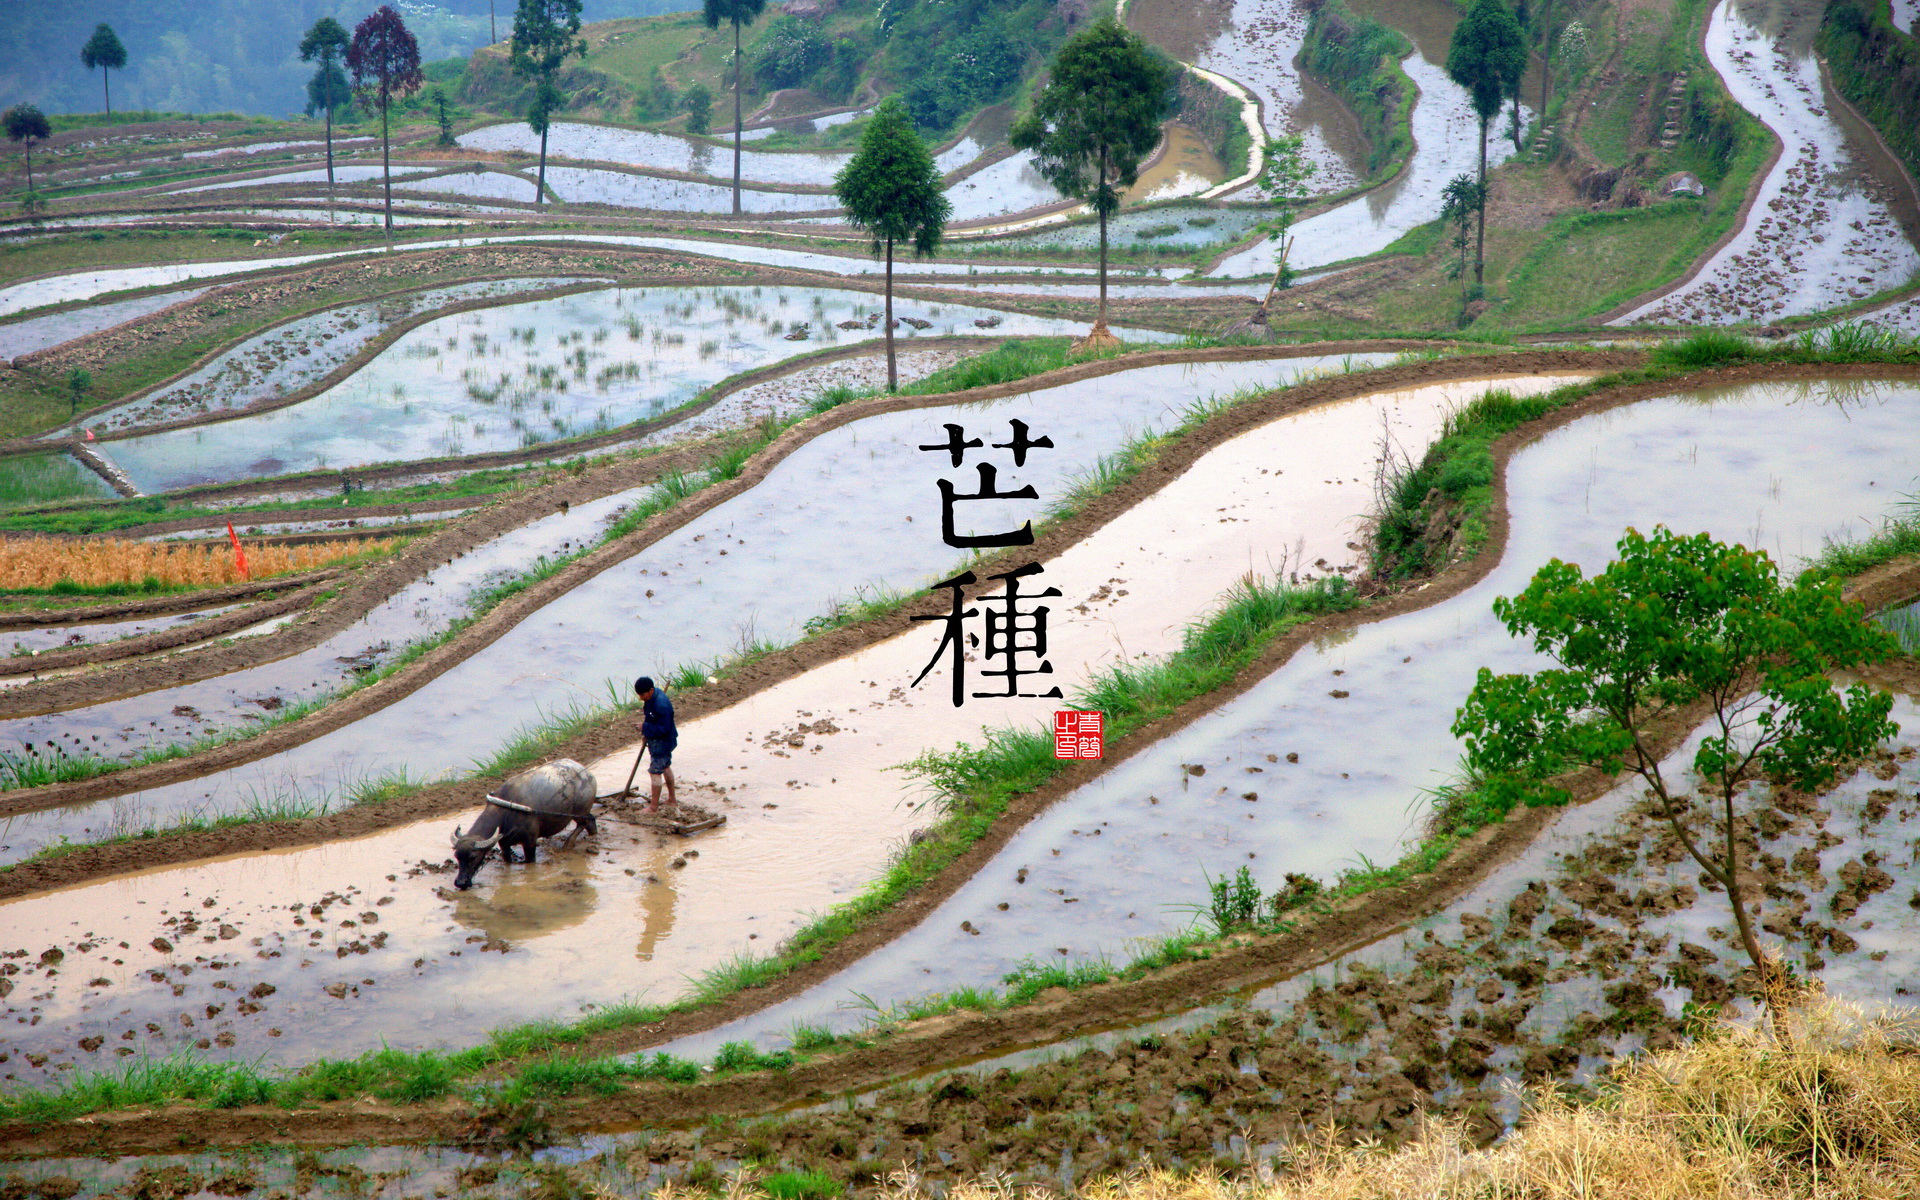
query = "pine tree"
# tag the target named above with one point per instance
(104, 50)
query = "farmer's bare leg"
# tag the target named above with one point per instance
(653, 801)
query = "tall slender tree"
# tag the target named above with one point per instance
(104, 50)
(384, 61)
(892, 190)
(326, 43)
(545, 34)
(739, 12)
(1098, 117)
(1487, 57)
(27, 125)
(1283, 180)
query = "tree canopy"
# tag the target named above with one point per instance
(1673, 623)
(1487, 56)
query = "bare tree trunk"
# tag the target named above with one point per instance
(1738, 898)
(329, 153)
(107, 91)
(493, 32)
(386, 157)
(1099, 195)
(540, 189)
(29, 145)
(893, 372)
(1546, 61)
(1480, 238)
(738, 82)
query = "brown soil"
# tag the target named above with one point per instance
(1183, 28)
(266, 608)
(966, 1037)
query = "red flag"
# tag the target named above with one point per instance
(239, 552)
(89, 435)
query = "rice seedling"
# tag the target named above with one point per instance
(36, 562)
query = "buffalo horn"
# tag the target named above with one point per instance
(491, 842)
(456, 835)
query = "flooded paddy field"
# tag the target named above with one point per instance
(298, 353)
(853, 483)
(1131, 849)
(807, 782)
(20, 338)
(662, 151)
(518, 375)
(1445, 133)
(1824, 228)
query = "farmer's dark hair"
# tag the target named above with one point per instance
(643, 685)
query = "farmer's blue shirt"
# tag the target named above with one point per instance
(656, 720)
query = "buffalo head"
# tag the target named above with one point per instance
(469, 852)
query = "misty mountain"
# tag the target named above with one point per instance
(221, 55)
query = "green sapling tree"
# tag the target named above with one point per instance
(545, 34)
(26, 124)
(1487, 56)
(738, 13)
(1095, 122)
(1676, 622)
(892, 190)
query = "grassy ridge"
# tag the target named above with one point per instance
(1359, 59)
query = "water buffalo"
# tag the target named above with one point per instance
(556, 793)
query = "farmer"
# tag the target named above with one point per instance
(657, 727)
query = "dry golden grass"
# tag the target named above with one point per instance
(43, 562)
(1827, 1107)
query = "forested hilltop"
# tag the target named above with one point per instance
(200, 56)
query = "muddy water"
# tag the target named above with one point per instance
(39, 639)
(1779, 467)
(1823, 228)
(583, 185)
(692, 598)
(517, 375)
(41, 333)
(1186, 169)
(1444, 133)
(1258, 50)
(295, 354)
(804, 771)
(1906, 15)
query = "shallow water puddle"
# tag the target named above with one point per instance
(1779, 467)
(1821, 227)
(806, 777)
(342, 173)
(42, 638)
(1011, 185)
(514, 376)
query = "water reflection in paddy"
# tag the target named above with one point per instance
(518, 375)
